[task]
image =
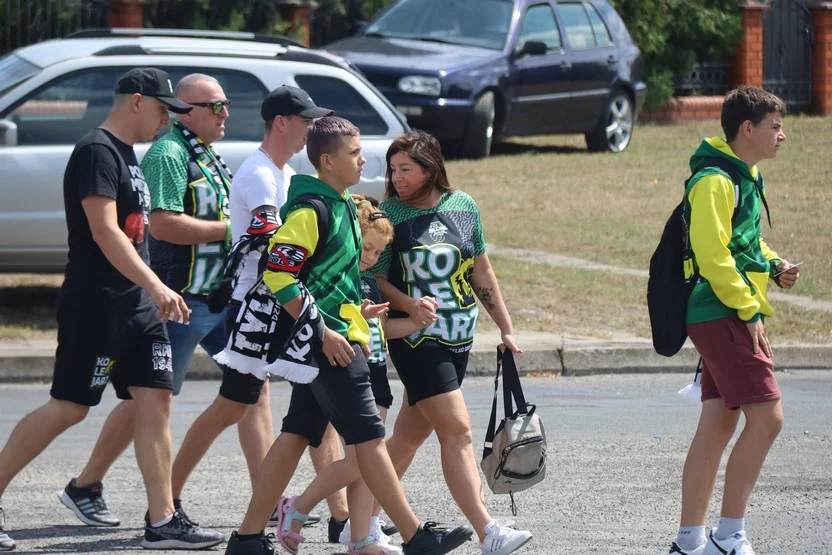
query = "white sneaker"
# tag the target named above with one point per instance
(674, 548)
(736, 544)
(6, 543)
(382, 539)
(502, 540)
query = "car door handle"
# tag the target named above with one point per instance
(612, 59)
(566, 64)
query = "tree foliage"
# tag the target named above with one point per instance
(673, 34)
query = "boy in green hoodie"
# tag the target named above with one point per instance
(725, 320)
(341, 392)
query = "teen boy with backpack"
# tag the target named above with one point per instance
(725, 320)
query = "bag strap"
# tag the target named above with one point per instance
(511, 383)
(736, 179)
(490, 430)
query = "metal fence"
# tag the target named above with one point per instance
(704, 78)
(29, 21)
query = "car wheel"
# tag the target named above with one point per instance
(480, 131)
(615, 128)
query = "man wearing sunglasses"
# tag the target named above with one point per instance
(190, 231)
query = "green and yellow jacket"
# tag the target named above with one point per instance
(333, 280)
(728, 250)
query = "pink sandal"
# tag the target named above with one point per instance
(286, 513)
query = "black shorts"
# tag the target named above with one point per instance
(96, 345)
(339, 395)
(427, 370)
(237, 387)
(380, 384)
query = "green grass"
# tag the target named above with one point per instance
(592, 303)
(549, 193)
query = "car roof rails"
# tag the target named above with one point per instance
(182, 33)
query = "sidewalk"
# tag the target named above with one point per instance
(544, 353)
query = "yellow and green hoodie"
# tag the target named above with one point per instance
(334, 280)
(732, 259)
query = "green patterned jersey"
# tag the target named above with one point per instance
(378, 343)
(432, 254)
(178, 183)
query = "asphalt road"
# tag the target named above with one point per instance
(616, 448)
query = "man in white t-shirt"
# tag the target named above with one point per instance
(260, 186)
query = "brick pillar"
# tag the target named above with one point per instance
(297, 14)
(746, 65)
(126, 13)
(822, 56)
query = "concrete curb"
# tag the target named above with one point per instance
(548, 354)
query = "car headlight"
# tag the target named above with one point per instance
(420, 84)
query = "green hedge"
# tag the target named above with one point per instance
(673, 34)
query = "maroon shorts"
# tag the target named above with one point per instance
(731, 371)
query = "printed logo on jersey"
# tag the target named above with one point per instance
(286, 258)
(437, 231)
(162, 359)
(441, 272)
(101, 373)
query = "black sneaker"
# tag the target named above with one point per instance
(177, 505)
(6, 543)
(388, 527)
(314, 518)
(258, 545)
(335, 529)
(432, 538)
(179, 534)
(88, 504)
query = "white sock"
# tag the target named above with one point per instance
(728, 527)
(162, 522)
(690, 537)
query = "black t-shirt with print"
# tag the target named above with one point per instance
(102, 165)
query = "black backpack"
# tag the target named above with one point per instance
(668, 290)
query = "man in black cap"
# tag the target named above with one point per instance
(112, 307)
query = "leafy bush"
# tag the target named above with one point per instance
(673, 34)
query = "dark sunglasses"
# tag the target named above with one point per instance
(216, 107)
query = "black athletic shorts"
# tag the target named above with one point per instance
(237, 387)
(97, 344)
(429, 369)
(339, 395)
(380, 384)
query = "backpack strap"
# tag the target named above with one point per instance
(490, 430)
(734, 174)
(511, 384)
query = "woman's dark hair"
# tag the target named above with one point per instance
(424, 149)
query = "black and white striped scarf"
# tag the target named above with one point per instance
(267, 340)
(205, 156)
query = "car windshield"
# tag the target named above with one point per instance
(482, 23)
(13, 71)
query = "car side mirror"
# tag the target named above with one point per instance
(532, 48)
(8, 133)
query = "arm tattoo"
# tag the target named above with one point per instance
(264, 208)
(486, 296)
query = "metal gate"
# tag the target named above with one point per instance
(24, 22)
(787, 52)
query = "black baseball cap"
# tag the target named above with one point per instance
(149, 81)
(291, 101)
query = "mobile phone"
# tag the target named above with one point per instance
(792, 266)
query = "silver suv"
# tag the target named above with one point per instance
(53, 92)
